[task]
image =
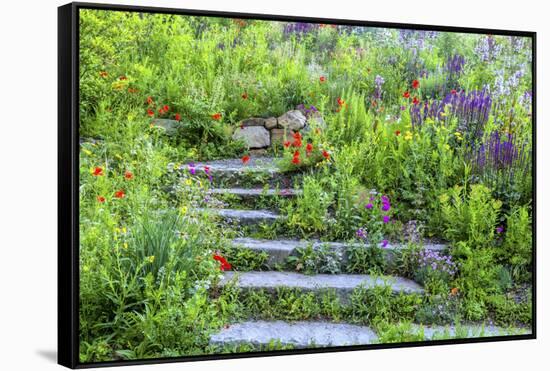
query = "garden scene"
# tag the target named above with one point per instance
(252, 185)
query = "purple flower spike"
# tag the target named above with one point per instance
(368, 206)
(385, 219)
(384, 243)
(192, 169)
(361, 233)
(386, 207)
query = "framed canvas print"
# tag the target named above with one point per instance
(236, 185)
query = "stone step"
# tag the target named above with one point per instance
(434, 332)
(252, 193)
(279, 250)
(245, 217)
(342, 284)
(303, 334)
(296, 334)
(233, 172)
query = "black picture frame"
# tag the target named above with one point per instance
(68, 181)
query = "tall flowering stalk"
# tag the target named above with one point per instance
(472, 111)
(502, 159)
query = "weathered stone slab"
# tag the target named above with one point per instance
(250, 193)
(277, 137)
(170, 126)
(293, 120)
(279, 250)
(245, 217)
(342, 284)
(297, 334)
(253, 121)
(253, 136)
(270, 123)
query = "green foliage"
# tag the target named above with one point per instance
(309, 215)
(516, 249)
(243, 259)
(312, 259)
(366, 259)
(470, 215)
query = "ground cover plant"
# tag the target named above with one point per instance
(399, 160)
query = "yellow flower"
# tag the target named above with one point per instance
(124, 230)
(87, 152)
(125, 245)
(151, 258)
(408, 135)
(458, 135)
(183, 210)
(188, 182)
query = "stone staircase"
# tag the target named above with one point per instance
(260, 178)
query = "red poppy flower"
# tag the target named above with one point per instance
(326, 154)
(177, 117)
(297, 143)
(103, 74)
(166, 108)
(150, 112)
(406, 95)
(309, 148)
(415, 101)
(120, 194)
(216, 116)
(149, 100)
(224, 264)
(244, 95)
(286, 144)
(453, 92)
(415, 84)
(340, 101)
(100, 199)
(245, 159)
(98, 171)
(161, 111)
(397, 132)
(322, 79)
(296, 159)
(128, 175)
(297, 135)
(121, 78)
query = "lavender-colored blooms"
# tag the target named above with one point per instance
(368, 206)
(501, 158)
(386, 207)
(455, 64)
(488, 49)
(361, 233)
(299, 28)
(378, 82)
(386, 219)
(384, 243)
(436, 261)
(471, 110)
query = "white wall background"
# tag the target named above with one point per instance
(28, 172)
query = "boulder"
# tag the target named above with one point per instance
(253, 121)
(277, 136)
(170, 126)
(270, 123)
(253, 136)
(293, 120)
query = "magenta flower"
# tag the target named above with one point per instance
(386, 207)
(384, 243)
(385, 199)
(368, 206)
(361, 233)
(385, 219)
(192, 170)
(500, 229)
